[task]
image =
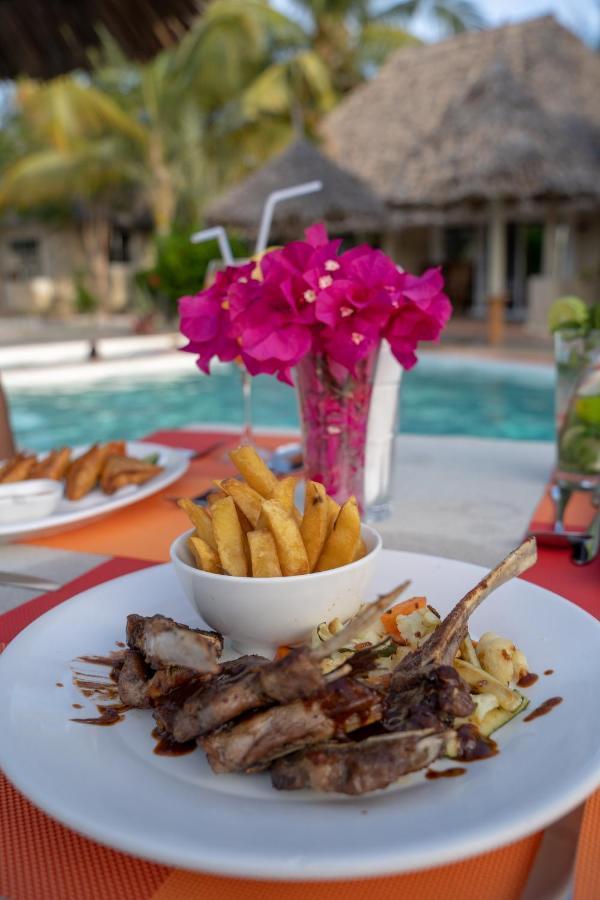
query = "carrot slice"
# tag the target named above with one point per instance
(404, 608)
(282, 651)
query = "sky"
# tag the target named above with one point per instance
(581, 16)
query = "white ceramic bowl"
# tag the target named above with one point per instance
(259, 614)
(23, 501)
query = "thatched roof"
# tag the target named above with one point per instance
(507, 113)
(346, 203)
(45, 38)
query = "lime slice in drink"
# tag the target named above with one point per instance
(570, 438)
(588, 409)
(567, 312)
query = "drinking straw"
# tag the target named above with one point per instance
(297, 190)
(220, 234)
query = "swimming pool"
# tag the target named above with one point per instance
(442, 395)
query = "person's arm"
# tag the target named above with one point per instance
(7, 444)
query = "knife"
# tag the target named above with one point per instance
(13, 579)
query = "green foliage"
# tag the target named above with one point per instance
(85, 300)
(180, 268)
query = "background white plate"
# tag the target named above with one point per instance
(96, 504)
(108, 784)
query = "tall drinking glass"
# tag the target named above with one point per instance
(577, 357)
(247, 434)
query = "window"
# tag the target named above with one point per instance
(28, 258)
(119, 245)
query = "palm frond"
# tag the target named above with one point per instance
(455, 16)
(65, 111)
(378, 40)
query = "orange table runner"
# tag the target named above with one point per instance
(41, 859)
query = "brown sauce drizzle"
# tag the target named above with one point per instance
(109, 715)
(120, 644)
(77, 705)
(544, 709)
(527, 679)
(92, 687)
(109, 661)
(445, 773)
(549, 672)
(59, 684)
(473, 745)
(167, 746)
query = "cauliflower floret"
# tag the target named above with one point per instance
(416, 627)
(499, 657)
(484, 703)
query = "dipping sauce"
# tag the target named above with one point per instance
(444, 773)
(544, 709)
(527, 679)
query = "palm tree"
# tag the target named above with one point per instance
(79, 146)
(353, 37)
(218, 104)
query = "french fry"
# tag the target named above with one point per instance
(340, 545)
(314, 522)
(206, 558)
(263, 555)
(214, 497)
(247, 500)
(290, 547)
(360, 551)
(284, 494)
(229, 537)
(253, 469)
(201, 521)
(333, 510)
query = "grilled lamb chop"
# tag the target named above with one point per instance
(133, 679)
(254, 742)
(357, 767)
(424, 687)
(257, 682)
(171, 679)
(222, 697)
(163, 643)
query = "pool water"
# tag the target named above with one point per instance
(441, 395)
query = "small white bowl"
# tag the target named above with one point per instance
(260, 614)
(23, 501)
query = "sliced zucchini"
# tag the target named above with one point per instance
(496, 718)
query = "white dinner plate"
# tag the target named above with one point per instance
(109, 785)
(71, 513)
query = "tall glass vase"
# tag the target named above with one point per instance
(335, 414)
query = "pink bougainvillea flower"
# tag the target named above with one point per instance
(269, 334)
(420, 317)
(205, 319)
(313, 298)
